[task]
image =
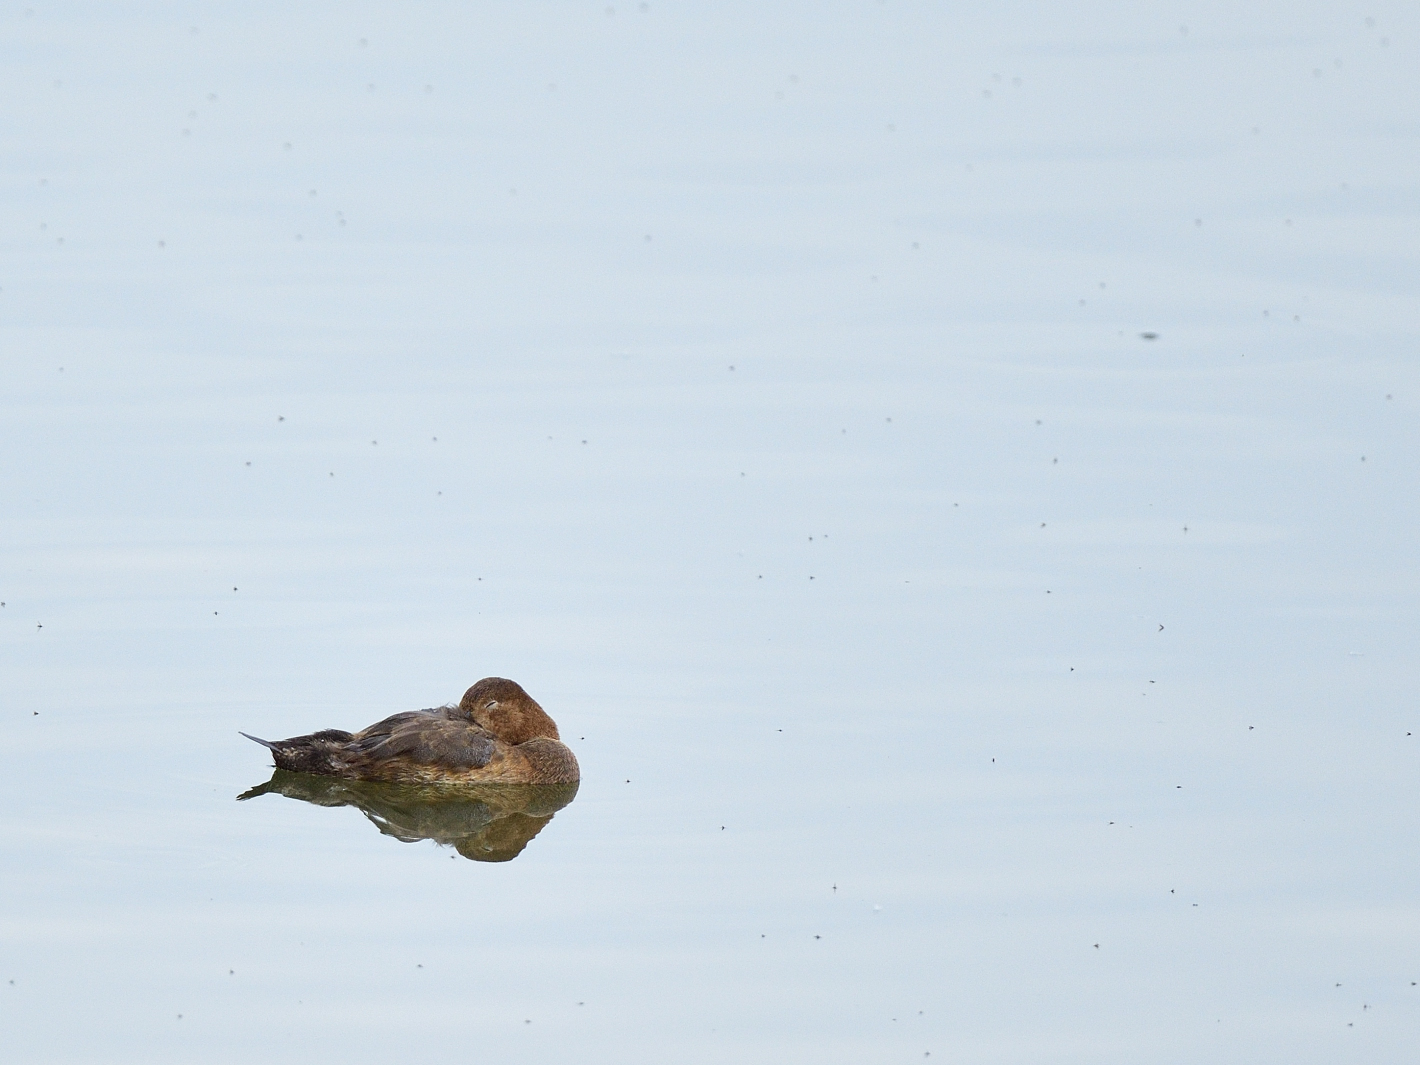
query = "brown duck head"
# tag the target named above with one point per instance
(504, 709)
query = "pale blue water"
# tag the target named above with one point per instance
(953, 670)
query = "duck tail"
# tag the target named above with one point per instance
(304, 754)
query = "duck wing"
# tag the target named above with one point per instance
(423, 737)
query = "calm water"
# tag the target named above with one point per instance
(954, 669)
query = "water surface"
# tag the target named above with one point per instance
(954, 669)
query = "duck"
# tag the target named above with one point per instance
(497, 734)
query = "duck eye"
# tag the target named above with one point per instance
(490, 704)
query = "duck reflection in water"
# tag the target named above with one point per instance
(484, 822)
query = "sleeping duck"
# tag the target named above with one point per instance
(496, 735)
